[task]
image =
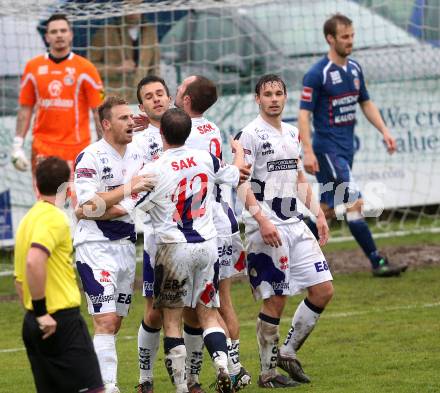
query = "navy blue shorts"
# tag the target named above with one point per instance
(336, 181)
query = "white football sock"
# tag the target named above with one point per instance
(268, 335)
(234, 364)
(194, 352)
(303, 322)
(105, 348)
(148, 345)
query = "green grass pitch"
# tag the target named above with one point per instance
(377, 335)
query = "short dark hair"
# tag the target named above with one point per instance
(203, 94)
(146, 81)
(104, 110)
(50, 174)
(175, 125)
(269, 78)
(331, 24)
(55, 17)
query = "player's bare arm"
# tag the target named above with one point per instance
(140, 183)
(310, 162)
(305, 195)
(373, 115)
(36, 277)
(97, 123)
(111, 213)
(239, 161)
(18, 156)
(19, 289)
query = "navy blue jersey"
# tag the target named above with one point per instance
(331, 93)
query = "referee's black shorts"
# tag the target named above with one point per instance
(65, 361)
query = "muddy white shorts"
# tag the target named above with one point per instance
(289, 269)
(107, 271)
(231, 256)
(184, 275)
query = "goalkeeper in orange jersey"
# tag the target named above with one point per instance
(62, 87)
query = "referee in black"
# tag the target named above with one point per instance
(57, 341)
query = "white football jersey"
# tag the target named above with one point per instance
(180, 204)
(100, 168)
(275, 160)
(205, 135)
(149, 142)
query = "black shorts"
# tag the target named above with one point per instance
(65, 361)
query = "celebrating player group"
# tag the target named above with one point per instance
(165, 165)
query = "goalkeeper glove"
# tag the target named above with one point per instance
(18, 156)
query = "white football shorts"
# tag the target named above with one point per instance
(107, 272)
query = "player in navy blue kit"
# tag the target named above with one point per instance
(332, 88)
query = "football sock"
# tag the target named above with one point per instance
(148, 345)
(175, 355)
(105, 348)
(304, 320)
(234, 364)
(268, 335)
(361, 232)
(215, 341)
(194, 349)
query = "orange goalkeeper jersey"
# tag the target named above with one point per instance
(62, 94)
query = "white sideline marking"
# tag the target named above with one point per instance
(327, 315)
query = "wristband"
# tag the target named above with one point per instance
(39, 307)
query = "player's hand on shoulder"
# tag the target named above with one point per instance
(390, 142)
(269, 233)
(141, 122)
(323, 231)
(143, 183)
(18, 156)
(47, 325)
(310, 162)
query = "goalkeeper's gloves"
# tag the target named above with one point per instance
(18, 156)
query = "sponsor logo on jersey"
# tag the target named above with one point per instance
(262, 135)
(55, 88)
(68, 80)
(107, 173)
(357, 83)
(335, 76)
(85, 172)
(43, 70)
(105, 276)
(183, 164)
(282, 165)
(284, 263)
(58, 102)
(267, 149)
(355, 72)
(247, 151)
(307, 94)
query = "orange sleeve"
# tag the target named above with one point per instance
(93, 86)
(28, 95)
